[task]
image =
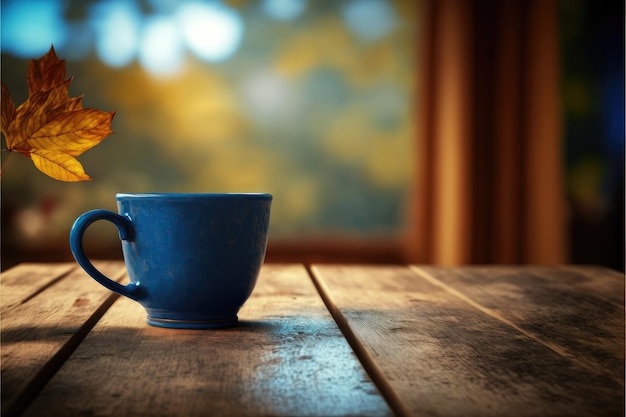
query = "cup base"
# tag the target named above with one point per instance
(193, 324)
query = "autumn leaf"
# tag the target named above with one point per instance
(83, 129)
(8, 109)
(59, 166)
(45, 72)
(50, 127)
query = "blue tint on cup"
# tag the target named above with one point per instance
(193, 259)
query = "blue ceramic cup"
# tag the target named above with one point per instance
(193, 259)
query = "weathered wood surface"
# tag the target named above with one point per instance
(485, 341)
(287, 357)
(577, 312)
(20, 284)
(41, 326)
(471, 341)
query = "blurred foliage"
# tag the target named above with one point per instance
(592, 81)
(304, 110)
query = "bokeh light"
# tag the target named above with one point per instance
(284, 9)
(161, 46)
(212, 31)
(117, 25)
(29, 27)
(370, 20)
(122, 32)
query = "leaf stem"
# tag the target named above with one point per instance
(4, 162)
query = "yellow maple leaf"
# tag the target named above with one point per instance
(50, 127)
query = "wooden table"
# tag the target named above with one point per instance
(323, 340)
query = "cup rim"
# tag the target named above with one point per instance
(181, 196)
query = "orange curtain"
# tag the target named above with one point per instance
(489, 160)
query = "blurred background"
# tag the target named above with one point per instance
(320, 103)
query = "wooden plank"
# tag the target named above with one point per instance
(39, 334)
(607, 283)
(577, 312)
(443, 356)
(24, 281)
(286, 357)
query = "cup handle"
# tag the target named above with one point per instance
(126, 232)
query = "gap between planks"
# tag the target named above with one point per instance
(490, 312)
(52, 366)
(48, 285)
(369, 364)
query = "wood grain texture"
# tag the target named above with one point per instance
(287, 357)
(26, 280)
(577, 312)
(37, 335)
(444, 356)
